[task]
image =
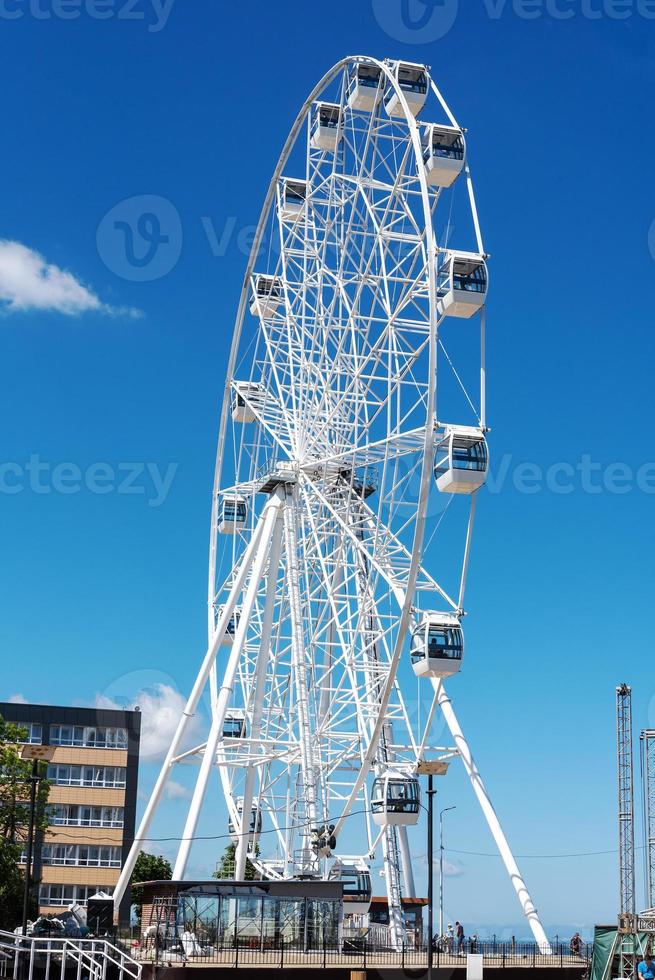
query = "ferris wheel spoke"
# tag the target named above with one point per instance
(390, 558)
(300, 668)
(383, 246)
(257, 706)
(377, 246)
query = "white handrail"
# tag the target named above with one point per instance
(92, 954)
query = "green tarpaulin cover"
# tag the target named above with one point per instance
(606, 947)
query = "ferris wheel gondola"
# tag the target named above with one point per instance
(444, 152)
(410, 80)
(364, 86)
(395, 800)
(292, 196)
(437, 645)
(355, 875)
(462, 284)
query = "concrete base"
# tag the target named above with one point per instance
(348, 971)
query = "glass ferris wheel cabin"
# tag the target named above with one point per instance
(356, 878)
(437, 645)
(292, 196)
(413, 80)
(233, 622)
(462, 283)
(395, 800)
(325, 126)
(234, 725)
(245, 395)
(266, 295)
(461, 461)
(364, 87)
(255, 827)
(443, 154)
(232, 514)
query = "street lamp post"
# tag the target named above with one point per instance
(431, 768)
(445, 810)
(34, 779)
(35, 754)
(431, 792)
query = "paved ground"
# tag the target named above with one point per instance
(318, 960)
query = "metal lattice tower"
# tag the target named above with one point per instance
(648, 776)
(626, 800)
(627, 946)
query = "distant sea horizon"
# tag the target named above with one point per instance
(503, 933)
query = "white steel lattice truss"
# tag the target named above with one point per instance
(648, 778)
(331, 465)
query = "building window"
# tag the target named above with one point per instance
(81, 855)
(103, 777)
(61, 895)
(34, 732)
(74, 815)
(88, 736)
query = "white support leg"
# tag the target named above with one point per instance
(188, 713)
(391, 862)
(269, 517)
(483, 368)
(467, 552)
(409, 887)
(302, 678)
(241, 853)
(480, 791)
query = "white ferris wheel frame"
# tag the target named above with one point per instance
(256, 587)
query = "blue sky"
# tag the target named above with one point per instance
(104, 592)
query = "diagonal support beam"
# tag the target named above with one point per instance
(189, 711)
(258, 705)
(269, 518)
(491, 817)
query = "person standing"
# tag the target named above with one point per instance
(451, 938)
(459, 933)
(646, 969)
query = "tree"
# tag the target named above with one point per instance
(148, 867)
(226, 867)
(12, 884)
(15, 777)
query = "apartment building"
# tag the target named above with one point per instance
(92, 801)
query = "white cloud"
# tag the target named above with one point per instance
(176, 791)
(29, 282)
(450, 870)
(17, 699)
(161, 709)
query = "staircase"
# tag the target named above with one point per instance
(52, 956)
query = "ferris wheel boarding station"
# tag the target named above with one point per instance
(352, 444)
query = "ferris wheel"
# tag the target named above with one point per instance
(352, 442)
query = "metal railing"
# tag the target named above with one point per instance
(20, 956)
(358, 952)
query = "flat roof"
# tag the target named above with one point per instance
(406, 900)
(292, 887)
(54, 714)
